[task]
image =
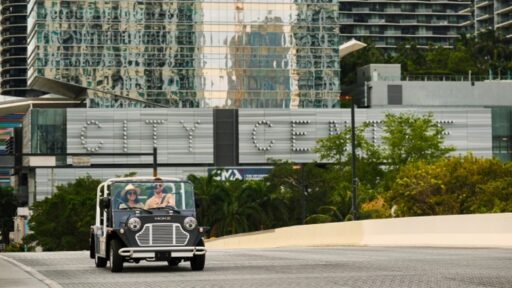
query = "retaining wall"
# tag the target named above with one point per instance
(476, 230)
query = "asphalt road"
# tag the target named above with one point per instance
(298, 267)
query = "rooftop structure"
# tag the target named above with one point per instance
(381, 86)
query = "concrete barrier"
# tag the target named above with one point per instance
(476, 230)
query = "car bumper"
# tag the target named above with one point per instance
(149, 252)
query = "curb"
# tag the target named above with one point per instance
(32, 272)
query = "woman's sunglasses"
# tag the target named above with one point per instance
(131, 193)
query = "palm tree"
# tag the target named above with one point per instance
(240, 209)
(493, 51)
(206, 190)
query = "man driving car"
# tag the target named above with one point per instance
(159, 198)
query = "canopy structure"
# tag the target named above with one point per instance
(350, 46)
(22, 105)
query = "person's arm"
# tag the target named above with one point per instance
(170, 200)
(147, 205)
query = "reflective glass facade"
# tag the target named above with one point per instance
(48, 132)
(229, 53)
(502, 133)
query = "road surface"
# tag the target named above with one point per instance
(357, 267)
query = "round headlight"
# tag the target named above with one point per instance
(190, 223)
(134, 224)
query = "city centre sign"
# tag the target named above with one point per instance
(186, 136)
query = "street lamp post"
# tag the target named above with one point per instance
(345, 49)
(353, 144)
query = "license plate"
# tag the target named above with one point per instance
(162, 256)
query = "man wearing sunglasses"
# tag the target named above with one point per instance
(159, 198)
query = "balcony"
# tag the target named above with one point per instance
(503, 8)
(376, 21)
(483, 17)
(482, 3)
(393, 10)
(465, 11)
(17, 10)
(504, 21)
(7, 2)
(424, 33)
(393, 33)
(408, 21)
(362, 32)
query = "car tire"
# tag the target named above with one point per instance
(92, 252)
(197, 262)
(116, 260)
(100, 261)
(174, 262)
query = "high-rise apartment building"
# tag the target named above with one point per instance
(386, 23)
(13, 49)
(235, 53)
(491, 14)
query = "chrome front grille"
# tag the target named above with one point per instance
(162, 234)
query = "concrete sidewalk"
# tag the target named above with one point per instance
(16, 275)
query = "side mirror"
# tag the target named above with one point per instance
(104, 203)
(197, 204)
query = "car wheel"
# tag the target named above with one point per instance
(92, 251)
(197, 262)
(174, 262)
(116, 260)
(100, 261)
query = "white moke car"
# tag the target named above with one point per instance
(127, 229)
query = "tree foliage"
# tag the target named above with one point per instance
(317, 186)
(336, 148)
(410, 138)
(62, 222)
(455, 185)
(8, 205)
(407, 138)
(484, 54)
(230, 207)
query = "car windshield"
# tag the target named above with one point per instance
(132, 195)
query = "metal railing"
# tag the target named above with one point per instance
(453, 78)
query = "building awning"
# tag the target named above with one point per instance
(24, 104)
(350, 47)
(58, 87)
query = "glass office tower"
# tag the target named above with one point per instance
(206, 53)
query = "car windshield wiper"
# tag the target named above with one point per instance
(170, 207)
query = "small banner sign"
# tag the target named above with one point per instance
(81, 161)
